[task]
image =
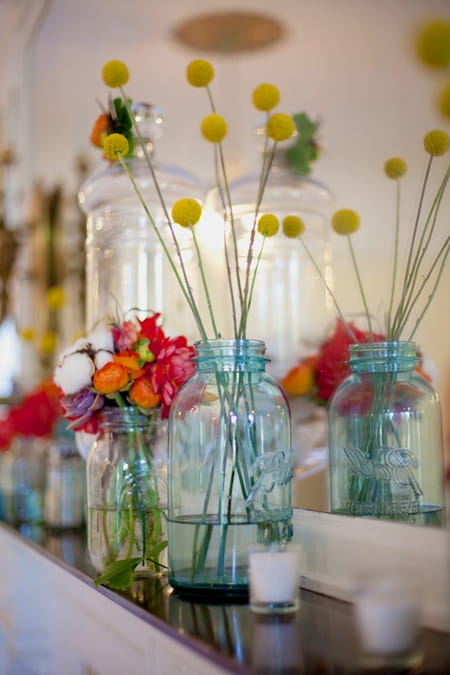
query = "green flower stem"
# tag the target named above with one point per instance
(445, 251)
(186, 290)
(360, 286)
(395, 263)
(255, 271)
(328, 289)
(204, 282)
(265, 171)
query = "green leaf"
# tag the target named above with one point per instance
(304, 151)
(119, 574)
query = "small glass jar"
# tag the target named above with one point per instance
(230, 468)
(385, 438)
(126, 266)
(65, 486)
(125, 491)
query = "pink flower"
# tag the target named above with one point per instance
(172, 368)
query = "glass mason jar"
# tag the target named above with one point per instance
(230, 468)
(287, 279)
(65, 486)
(126, 267)
(385, 438)
(125, 497)
(22, 480)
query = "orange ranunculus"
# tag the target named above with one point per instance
(111, 378)
(299, 380)
(130, 361)
(143, 394)
(99, 130)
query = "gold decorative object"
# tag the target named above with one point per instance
(229, 32)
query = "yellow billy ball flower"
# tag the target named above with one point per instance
(433, 43)
(115, 145)
(280, 127)
(345, 221)
(265, 97)
(56, 297)
(395, 168)
(214, 128)
(436, 142)
(115, 74)
(293, 226)
(27, 334)
(268, 225)
(199, 73)
(186, 212)
(48, 342)
(444, 100)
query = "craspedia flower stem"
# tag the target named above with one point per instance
(115, 74)
(199, 73)
(436, 142)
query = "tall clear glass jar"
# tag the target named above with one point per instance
(230, 468)
(125, 491)
(287, 279)
(126, 267)
(385, 438)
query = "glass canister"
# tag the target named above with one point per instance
(287, 279)
(65, 486)
(385, 438)
(125, 498)
(230, 468)
(126, 267)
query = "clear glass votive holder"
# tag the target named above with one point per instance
(274, 578)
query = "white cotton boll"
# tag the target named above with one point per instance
(101, 338)
(74, 373)
(101, 357)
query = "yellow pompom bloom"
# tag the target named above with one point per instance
(56, 297)
(395, 168)
(27, 334)
(345, 221)
(115, 146)
(433, 43)
(293, 226)
(265, 97)
(186, 212)
(444, 100)
(268, 225)
(280, 127)
(199, 73)
(48, 342)
(436, 142)
(115, 74)
(214, 128)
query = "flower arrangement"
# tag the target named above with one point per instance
(133, 363)
(135, 368)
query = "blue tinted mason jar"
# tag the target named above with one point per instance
(230, 468)
(385, 438)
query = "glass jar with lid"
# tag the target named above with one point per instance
(126, 267)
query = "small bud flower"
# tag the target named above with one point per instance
(199, 73)
(280, 127)
(395, 168)
(444, 101)
(214, 128)
(345, 221)
(293, 226)
(56, 297)
(265, 97)
(268, 225)
(186, 212)
(115, 74)
(436, 142)
(433, 44)
(115, 146)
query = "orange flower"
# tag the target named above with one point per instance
(143, 394)
(130, 361)
(99, 130)
(111, 378)
(300, 379)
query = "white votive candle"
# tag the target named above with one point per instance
(274, 578)
(388, 615)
